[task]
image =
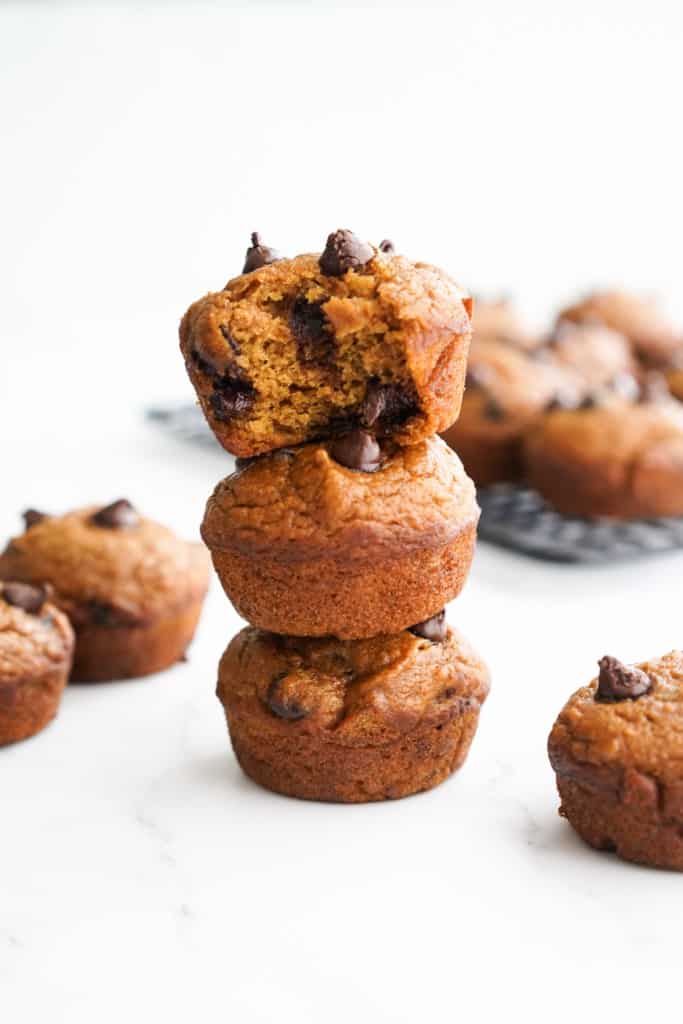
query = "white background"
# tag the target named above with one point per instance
(533, 148)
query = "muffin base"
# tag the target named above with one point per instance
(635, 833)
(108, 653)
(328, 597)
(304, 767)
(28, 705)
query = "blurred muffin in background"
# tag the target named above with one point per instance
(499, 320)
(599, 356)
(506, 391)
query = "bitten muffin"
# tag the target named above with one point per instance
(36, 651)
(599, 356)
(346, 538)
(639, 319)
(617, 752)
(305, 348)
(506, 392)
(132, 589)
(617, 458)
(352, 721)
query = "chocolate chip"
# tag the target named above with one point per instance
(225, 331)
(386, 245)
(590, 401)
(27, 596)
(101, 614)
(32, 517)
(389, 403)
(434, 629)
(118, 516)
(654, 388)
(494, 411)
(241, 462)
(620, 682)
(344, 251)
(259, 255)
(357, 450)
(231, 397)
(290, 710)
(311, 330)
(564, 400)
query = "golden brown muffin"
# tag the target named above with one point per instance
(352, 721)
(499, 320)
(343, 538)
(306, 348)
(617, 458)
(506, 392)
(36, 650)
(639, 319)
(132, 589)
(599, 356)
(617, 751)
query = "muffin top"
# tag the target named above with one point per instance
(107, 563)
(597, 354)
(499, 320)
(634, 316)
(358, 692)
(300, 348)
(302, 504)
(34, 635)
(630, 717)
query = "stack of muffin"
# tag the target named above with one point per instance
(587, 414)
(348, 523)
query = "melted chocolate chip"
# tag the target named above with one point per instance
(344, 251)
(389, 403)
(620, 682)
(311, 330)
(32, 517)
(434, 629)
(357, 450)
(225, 331)
(241, 462)
(590, 401)
(386, 245)
(290, 710)
(231, 398)
(27, 596)
(120, 515)
(202, 364)
(259, 255)
(494, 411)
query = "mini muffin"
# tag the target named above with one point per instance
(617, 752)
(132, 589)
(598, 355)
(639, 319)
(36, 651)
(498, 320)
(346, 538)
(352, 721)
(305, 348)
(506, 392)
(616, 458)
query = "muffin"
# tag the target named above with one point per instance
(599, 356)
(132, 589)
(352, 721)
(653, 337)
(617, 752)
(506, 392)
(36, 651)
(299, 349)
(349, 538)
(498, 320)
(615, 458)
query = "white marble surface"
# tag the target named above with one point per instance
(525, 147)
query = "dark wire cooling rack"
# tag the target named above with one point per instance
(512, 517)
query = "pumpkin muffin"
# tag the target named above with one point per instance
(506, 392)
(499, 320)
(348, 538)
(298, 349)
(132, 589)
(36, 650)
(599, 356)
(617, 752)
(352, 721)
(611, 457)
(639, 319)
